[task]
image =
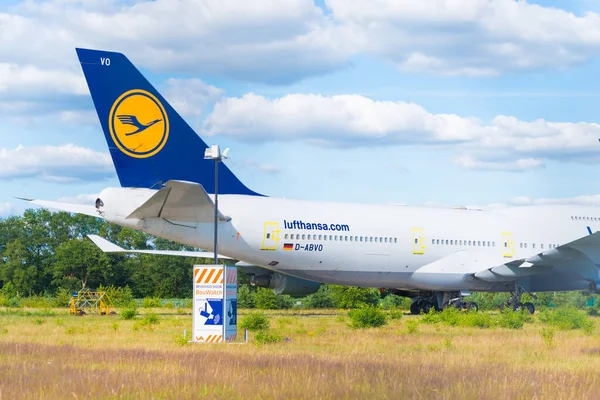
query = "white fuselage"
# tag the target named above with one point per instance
(374, 245)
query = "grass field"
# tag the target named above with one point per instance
(49, 354)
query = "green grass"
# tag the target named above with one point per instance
(411, 357)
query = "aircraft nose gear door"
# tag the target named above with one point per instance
(271, 236)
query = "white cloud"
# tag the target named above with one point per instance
(190, 96)
(259, 41)
(521, 164)
(29, 80)
(505, 143)
(79, 117)
(67, 163)
(470, 37)
(266, 168)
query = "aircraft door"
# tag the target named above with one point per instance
(270, 236)
(508, 247)
(418, 241)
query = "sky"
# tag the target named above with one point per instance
(432, 102)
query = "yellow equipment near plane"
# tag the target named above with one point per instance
(87, 300)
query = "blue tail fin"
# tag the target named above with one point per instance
(148, 141)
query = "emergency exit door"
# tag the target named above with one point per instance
(508, 246)
(418, 241)
(271, 236)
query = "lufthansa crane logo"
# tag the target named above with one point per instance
(138, 124)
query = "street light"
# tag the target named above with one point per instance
(214, 153)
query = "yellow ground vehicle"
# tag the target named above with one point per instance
(86, 301)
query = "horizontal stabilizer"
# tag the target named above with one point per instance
(68, 207)
(179, 201)
(109, 247)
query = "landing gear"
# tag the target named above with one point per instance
(467, 306)
(440, 300)
(514, 301)
(422, 304)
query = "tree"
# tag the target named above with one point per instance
(16, 271)
(81, 260)
(354, 297)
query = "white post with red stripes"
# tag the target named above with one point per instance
(214, 317)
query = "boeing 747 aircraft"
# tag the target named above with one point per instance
(433, 255)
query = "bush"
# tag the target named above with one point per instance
(14, 302)
(412, 325)
(395, 314)
(267, 337)
(455, 317)
(284, 301)
(320, 299)
(150, 303)
(120, 296)
(62, 298)
(255, 322)
(151, 319)
(566, 319)
(245, 297)
(354, 297)
(36, 302)
(265, 299)
(513, 319)
(367, 317)
(3, 300)
(391, 301)
(129, 313)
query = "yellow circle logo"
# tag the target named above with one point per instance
(138, 124)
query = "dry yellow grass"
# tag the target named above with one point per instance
(46, 357)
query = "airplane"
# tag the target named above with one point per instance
(436, 256)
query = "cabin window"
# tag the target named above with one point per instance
(395, 240)
(350, 238)
(542, 245)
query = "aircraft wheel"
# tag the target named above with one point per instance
(414, 308)
(426, 307)
(518, 307)
(112, 313)
(529, 307)
(472, 306)
(81, 313)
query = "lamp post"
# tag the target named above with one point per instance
(214, 153)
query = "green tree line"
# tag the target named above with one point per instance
(42, 253)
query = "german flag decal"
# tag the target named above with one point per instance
(288, 246)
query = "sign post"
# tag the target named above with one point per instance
(214, 317)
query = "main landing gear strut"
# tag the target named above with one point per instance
(514, 301)
(438, 301)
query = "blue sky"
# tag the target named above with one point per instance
(440, 102)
